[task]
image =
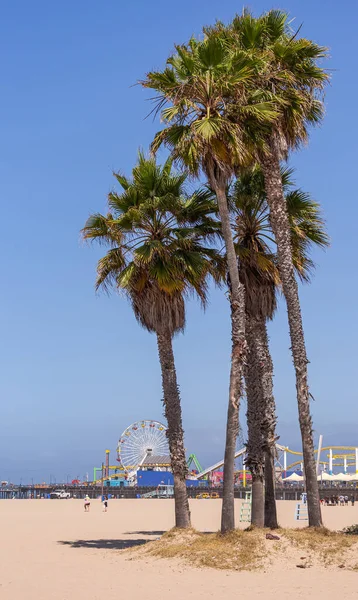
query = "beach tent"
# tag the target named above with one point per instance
(293, 478)
(342, 477)
(326, 477)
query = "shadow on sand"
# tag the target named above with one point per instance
(157, 533)
(104, 544)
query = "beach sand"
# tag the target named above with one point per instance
(53, 550)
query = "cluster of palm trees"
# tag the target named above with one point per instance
(234, 104)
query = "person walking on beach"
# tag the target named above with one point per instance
(105, 503)
(87, 503)
(352, 499)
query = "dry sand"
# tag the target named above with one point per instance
(52, 550)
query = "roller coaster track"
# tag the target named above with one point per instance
(286, 449)
(219, 464)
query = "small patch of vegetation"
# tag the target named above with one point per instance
(351, 530)
(328, 546)
(251, 550)
(238, 550)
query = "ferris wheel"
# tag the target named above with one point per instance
(139, 440)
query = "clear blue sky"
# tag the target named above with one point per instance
(76, 367)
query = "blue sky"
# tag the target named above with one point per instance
(76, 367)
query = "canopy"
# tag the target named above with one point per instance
(293, 477)
(342, 477)
(346, 477)
(326, 477)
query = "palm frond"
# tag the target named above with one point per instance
(122, 180)
(109, 268)
(102, 230)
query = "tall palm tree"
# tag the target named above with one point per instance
(157, 261)
(202, 137)
(259, 275)
(256, 249)
(287, 74)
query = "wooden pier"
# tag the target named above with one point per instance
(94, 491)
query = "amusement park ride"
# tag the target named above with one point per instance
(144, 445)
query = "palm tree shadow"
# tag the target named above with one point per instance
(159, 533)
(145, 533)
(104, 544)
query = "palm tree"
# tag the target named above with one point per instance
(202, 137)
(288, 75)
(157, 261)
(259, 273)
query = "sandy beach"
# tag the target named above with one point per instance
(53, 550)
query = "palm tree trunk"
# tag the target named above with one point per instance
(255, 455)
(175, 433)
(261, 418)
(270, 490)
(237, 302)
(281, 228)
(268, 422)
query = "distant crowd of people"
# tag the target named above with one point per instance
(338, 500)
